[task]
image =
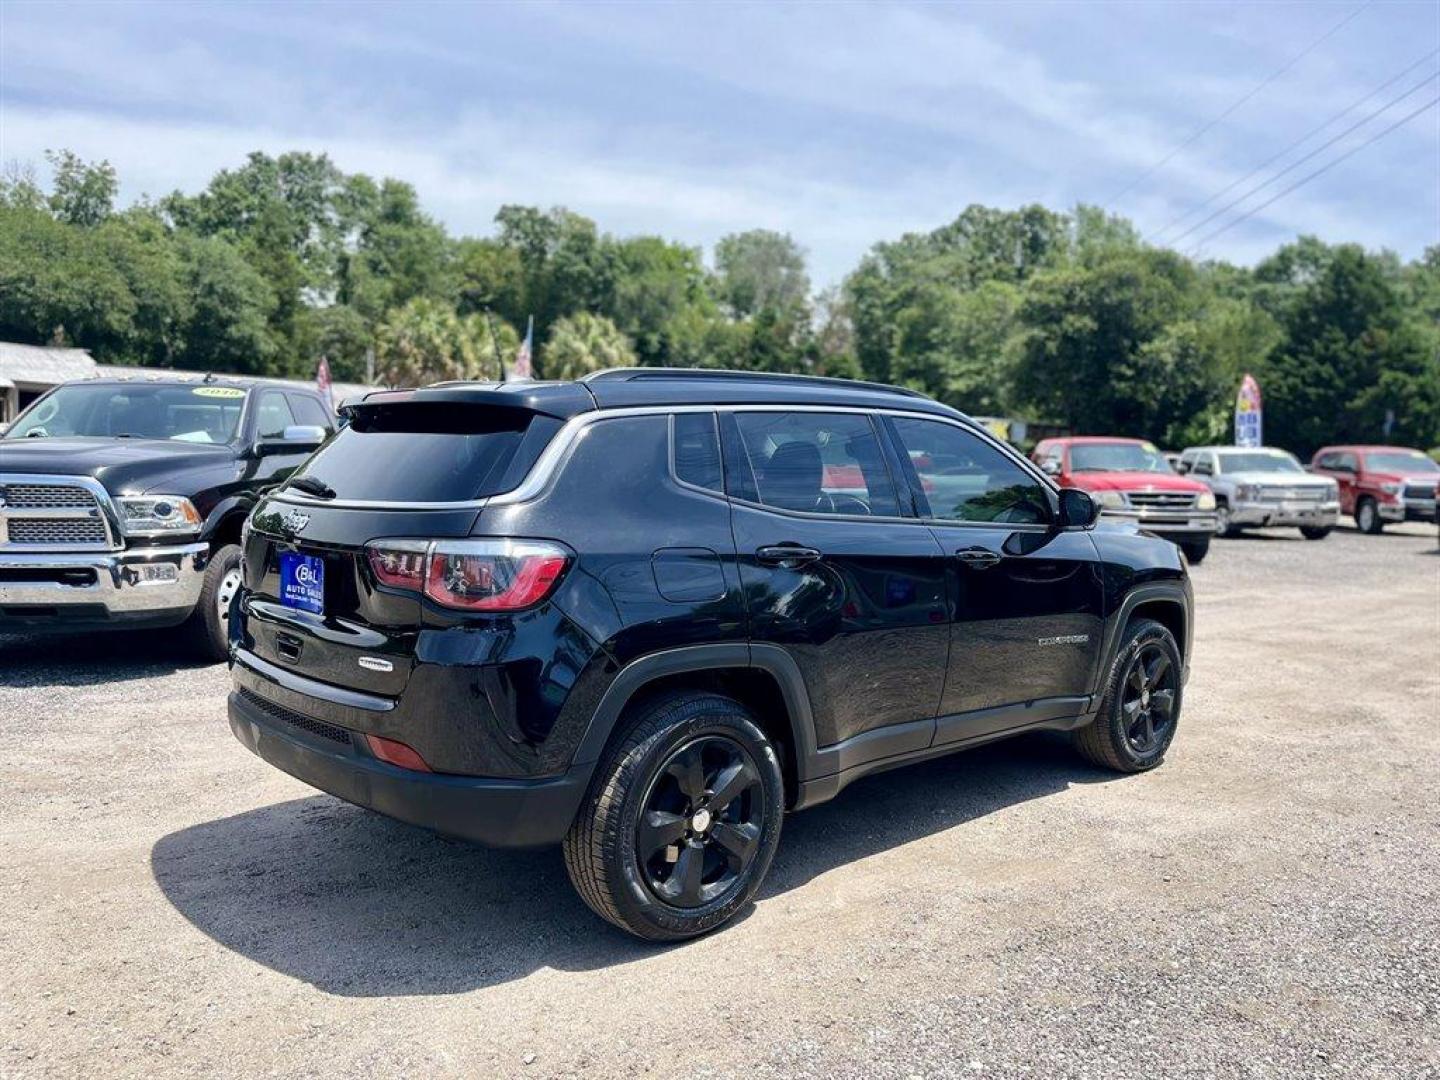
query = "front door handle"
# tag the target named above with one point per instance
(788, 556)
(978, 557)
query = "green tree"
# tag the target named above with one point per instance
(581, 343)
(761, 270)
(1350, 359)
(80, 193)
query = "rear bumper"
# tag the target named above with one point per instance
(67, 591)
(494, 812)
(1318, 515)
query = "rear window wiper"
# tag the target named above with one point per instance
(313, 485)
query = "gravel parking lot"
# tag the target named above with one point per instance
(1266, 903)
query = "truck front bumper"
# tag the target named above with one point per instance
(142, 587)
(1321, 515)
(1408, 509)
(1171, 524)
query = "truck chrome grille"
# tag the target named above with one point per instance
(1275, 493)
(48, 513)
(1162, 500)
(57, 531)
(46, 497)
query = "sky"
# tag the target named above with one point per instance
(840, 124)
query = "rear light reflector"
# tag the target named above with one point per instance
(399, 563)
(394, 752)
(472, 575)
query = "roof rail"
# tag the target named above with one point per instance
(632, 374)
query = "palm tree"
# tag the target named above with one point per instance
(582, 343)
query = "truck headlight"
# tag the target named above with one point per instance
(1246, 492)
(1114, 500)
(1390, 489)
(158, 515)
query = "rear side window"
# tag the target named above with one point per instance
(697, 451)
(431, 452)
(816, 463)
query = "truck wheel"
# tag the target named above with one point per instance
(1141, 707)
(1314, 532)
(1196, 550)
(1222, 520)
(682, 819)
(207, 629)
(1367, 516)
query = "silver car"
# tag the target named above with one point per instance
(1263, 486)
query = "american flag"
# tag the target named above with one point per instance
(520, 370)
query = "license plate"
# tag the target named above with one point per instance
(302, 582)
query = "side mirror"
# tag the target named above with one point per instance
(296, 439)
(1050, 467)
(1077, 509)
(4, 427)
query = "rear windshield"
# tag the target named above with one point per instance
(429, 452)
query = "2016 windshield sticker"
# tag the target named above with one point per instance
(1068, 639)
(218, 391)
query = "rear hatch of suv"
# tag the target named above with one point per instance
(335, 560)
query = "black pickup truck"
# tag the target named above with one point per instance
(122, 500)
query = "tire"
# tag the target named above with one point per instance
(1314, 532)
(651, 776)
(207, 630)
(1116, 738)
(1222, 521)
(1367, 517)
(1195, 550)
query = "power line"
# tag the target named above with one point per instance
(1261, 86)
(1156, 235)
(1301, 160)
(1323, 169)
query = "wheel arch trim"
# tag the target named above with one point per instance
(1173, 593)
(641, 672)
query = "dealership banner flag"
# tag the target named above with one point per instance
(1247, 413)
(322, 383)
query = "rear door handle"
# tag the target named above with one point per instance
(978, 557)
(786, 555)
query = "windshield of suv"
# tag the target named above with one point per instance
(1117, 457)
(1400, 461)
(1259, 461)
(198, 413)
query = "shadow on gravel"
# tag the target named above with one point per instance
(83, 659)
(358, 905)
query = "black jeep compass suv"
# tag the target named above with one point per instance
(646, 613)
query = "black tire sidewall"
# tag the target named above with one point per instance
(1196, 550)
(1112, 717)
(214, 640)
(1314, 533)
(632, 897)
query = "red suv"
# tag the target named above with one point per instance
(1132, 481)
(1381, 483)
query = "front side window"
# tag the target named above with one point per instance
(275, 415)
(199, 414)
(964, 478)
(816, 463)
(309, 411)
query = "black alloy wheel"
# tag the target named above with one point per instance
(1147, 702)
(699, 831)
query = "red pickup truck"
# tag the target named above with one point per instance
(1380, 483)
(1132, 481)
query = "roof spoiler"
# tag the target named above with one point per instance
(561, 400)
